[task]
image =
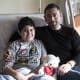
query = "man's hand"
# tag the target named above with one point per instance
(65, 68)
(7, 57)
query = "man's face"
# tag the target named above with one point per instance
(53, 16)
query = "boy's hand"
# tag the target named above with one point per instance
(20, 76)
(29, 76)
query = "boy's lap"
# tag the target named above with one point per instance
(43, 77)
(6, 77)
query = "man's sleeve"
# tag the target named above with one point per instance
(76, 46)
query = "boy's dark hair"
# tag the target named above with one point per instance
(25, 21)
(51, 5)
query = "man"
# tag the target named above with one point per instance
(60, 40)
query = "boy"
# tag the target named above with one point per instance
(26, 53)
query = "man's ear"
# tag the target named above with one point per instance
(61, 14)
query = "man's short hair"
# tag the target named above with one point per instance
(51, 5)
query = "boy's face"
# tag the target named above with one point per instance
(27, 33)
(53, 16)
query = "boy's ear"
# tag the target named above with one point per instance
(18, 32)
(44, 17)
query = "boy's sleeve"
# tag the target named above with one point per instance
(43, 51)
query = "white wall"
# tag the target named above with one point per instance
(28, 6)
(9, 6)
(22, 6)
